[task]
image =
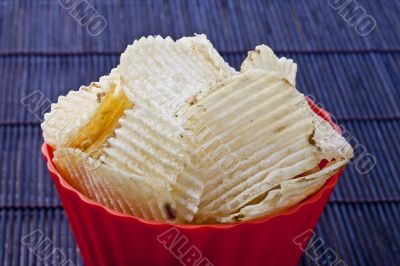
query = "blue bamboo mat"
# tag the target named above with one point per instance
(42, 48)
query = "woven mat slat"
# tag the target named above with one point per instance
(49, 225)
(359, 234)
(301, 25)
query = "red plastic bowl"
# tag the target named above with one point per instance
(107, 237)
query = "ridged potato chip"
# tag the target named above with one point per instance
(147, 145)
(85, 118)
(264, 58)
(331, 146)
(162, 76)
(116, 190)
(165, 74)
(288, 194)
(174, 134)
(255, 117)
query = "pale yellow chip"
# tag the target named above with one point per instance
(85, 118)
(147, 145)
(114, 189)
(161, 77)
(164, 74)
(253, 120)
(331, 146)
(288, 194)
(326, 137)
(264, 58)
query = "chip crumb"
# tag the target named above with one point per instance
(100, 95)
(84, 88)
(238, 217)
(171, 213)
(287, 82)
(280, 129)
(95, 84)
(192, 100)
(311, 138)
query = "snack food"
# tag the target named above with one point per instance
(117, 190)
(175, 135)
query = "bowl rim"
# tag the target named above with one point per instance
(47, 152)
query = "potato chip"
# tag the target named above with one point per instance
(264, 58)
(288, 194)
(332, 143)
(102, 125)
(161, 77)
(331, 146)
(165, 74)
(187, 191)
(147, 145)
(255, 117)
(75, 120)
(116, 190)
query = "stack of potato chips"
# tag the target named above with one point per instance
(174, 134)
